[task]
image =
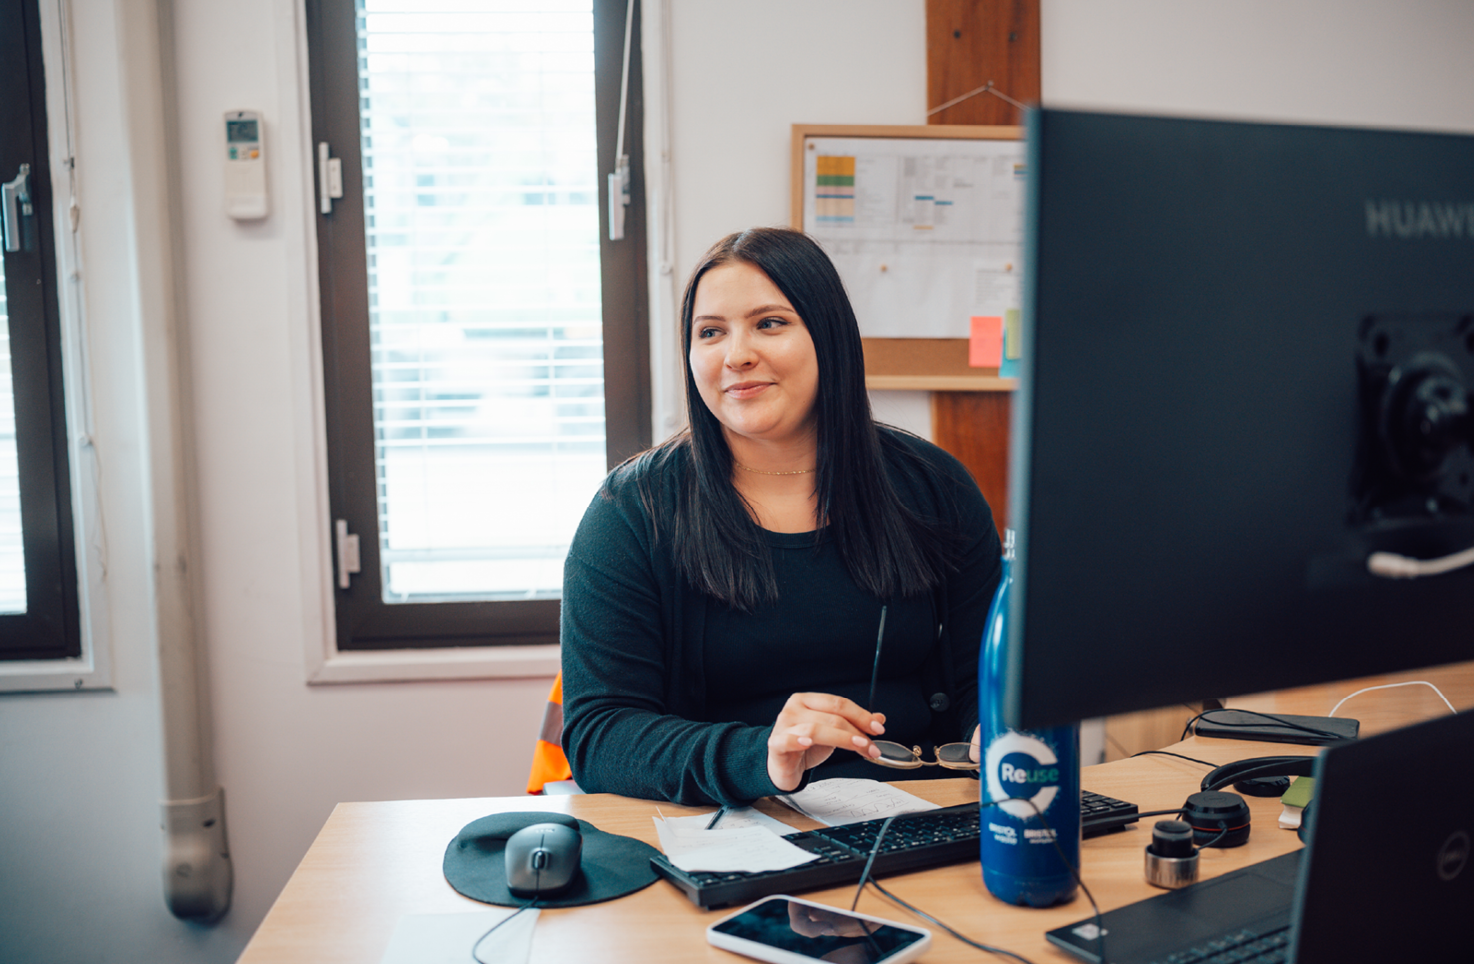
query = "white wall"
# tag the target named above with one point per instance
(1374, 63)
(741, 75)
(80, 774)
(745, 72)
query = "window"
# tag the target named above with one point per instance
(471, 304)
(38, 573)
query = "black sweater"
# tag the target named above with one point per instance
(655, 703)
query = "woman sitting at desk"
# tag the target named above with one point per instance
(723, 595)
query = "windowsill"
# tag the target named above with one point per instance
(54, 675)
(407, 665)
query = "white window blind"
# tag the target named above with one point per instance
(482, 224)
(12, 555)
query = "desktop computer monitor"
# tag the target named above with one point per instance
(1246, 354)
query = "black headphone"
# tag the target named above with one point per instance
(1272, 772)
(1221, 819)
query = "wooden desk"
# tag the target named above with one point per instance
(1378, 710)
(374, 862)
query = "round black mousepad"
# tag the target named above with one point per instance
(611, 865)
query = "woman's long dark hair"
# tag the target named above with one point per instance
(719, 548)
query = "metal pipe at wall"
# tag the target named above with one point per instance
(197, 873)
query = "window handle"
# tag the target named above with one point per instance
(619, 198)
(347, 545)
(329, 178)
(15, 204)
(619, 179)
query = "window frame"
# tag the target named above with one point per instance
(49, 634)
(364, 624)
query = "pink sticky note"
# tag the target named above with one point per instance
(985, 345)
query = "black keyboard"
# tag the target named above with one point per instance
(914, 841)
(1240, 947)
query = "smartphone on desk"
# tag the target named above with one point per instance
(786, 930)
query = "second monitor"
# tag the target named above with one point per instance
(1247, 353)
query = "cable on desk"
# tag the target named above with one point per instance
(1130, 818)
(1191, 708)
(1074, 871)
(950, 930)
(477, 957)
(1053, 839)
(869, 861)
(1178, 755)
(1388, 686)
(1214, 842)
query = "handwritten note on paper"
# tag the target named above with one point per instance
(844, 800)
(741, 850)
(734, 819)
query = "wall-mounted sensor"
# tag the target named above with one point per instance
(245, 166)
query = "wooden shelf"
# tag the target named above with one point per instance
(927, 364)
(981, 382)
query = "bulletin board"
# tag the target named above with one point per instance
(925, 225)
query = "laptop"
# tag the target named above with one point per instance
(1386, 874)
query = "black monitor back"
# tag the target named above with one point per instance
(1208, 436)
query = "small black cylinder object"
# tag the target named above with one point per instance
(1171, 858)
(1172, 838)
(1218, 819)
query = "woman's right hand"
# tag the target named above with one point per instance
(810, 727)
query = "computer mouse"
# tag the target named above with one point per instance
(542, 859)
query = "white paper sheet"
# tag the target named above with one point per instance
(844, 800)
(448, 938)
(748, 849)
(734, 819)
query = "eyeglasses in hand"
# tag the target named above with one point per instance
(953, 756)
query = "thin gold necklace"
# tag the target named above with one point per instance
(766, 472)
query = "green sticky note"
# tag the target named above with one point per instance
(1012, 349)
(1300, 792)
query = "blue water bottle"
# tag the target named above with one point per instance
(1026, 770)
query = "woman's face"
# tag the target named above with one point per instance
(751, 356)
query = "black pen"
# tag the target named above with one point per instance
(875, 669)
(716, 817)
